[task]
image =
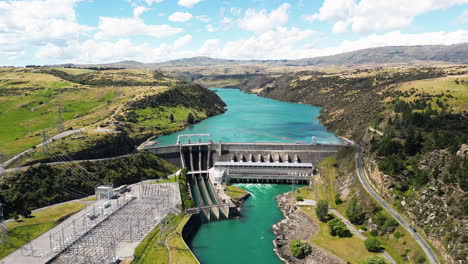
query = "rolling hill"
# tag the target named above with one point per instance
(422, 54)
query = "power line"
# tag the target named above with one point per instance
(61, 157)
(72, 170)
(65, 155)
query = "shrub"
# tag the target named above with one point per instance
(354, 212)
(26, 213)
(299, 198)
(389, 226)
(379, 219)
(300, 249)
(190, 118)
(338, 228)
(374, 233)
(421, 259)
(15, 216)
(373, 260)
(187, 201)
(322, 210)
(398, 235)
(338, 199)
(372, 244)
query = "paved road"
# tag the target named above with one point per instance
(365, 183)
(70, 161)
(58, 136)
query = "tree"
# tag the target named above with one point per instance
(354, 212)
(190, 118)
(15, 216)
(338, 199)
(26, 213)
(372, 244)
(171, 117)
(338, 228)
(412, 145)
(322, 210)
(373, 260)
(421, 259)
(300, 249)
(389, 146)
(389, 226)
(379, 218)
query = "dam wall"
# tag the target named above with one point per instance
(214, 152)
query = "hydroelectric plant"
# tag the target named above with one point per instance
(211, 163)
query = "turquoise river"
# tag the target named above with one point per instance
(250, 118)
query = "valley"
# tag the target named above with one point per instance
(408, 121)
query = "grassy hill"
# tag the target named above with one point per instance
(58, 99)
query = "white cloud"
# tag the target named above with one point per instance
(210, 28)
(376, 15)
(340, 27)
(236, 11)
(150, 2)
(225, 24)
(280, 43)
(37, 22)
(137, 11)
(463, 17)
(180, 17)
(262, 21)
(334, 10)
(209, 47)
(273, 44)
(120, 27)
(188, 3)
(203, 18)
(92, 51)
(182, 41)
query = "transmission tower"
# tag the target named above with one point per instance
(3, 228)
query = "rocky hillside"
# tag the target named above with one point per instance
(412, 122)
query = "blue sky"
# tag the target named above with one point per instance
(98, 31)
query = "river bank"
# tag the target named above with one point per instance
(297, 225)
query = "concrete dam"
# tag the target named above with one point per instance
(210, 164)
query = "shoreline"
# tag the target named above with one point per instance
(297, 225)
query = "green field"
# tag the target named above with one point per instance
(453, 93)
(235, 192)
(32, 100)
(26, 229)
(160, 117)
(178, 250)
(75, 71)
(350, 249)
(153, 249)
